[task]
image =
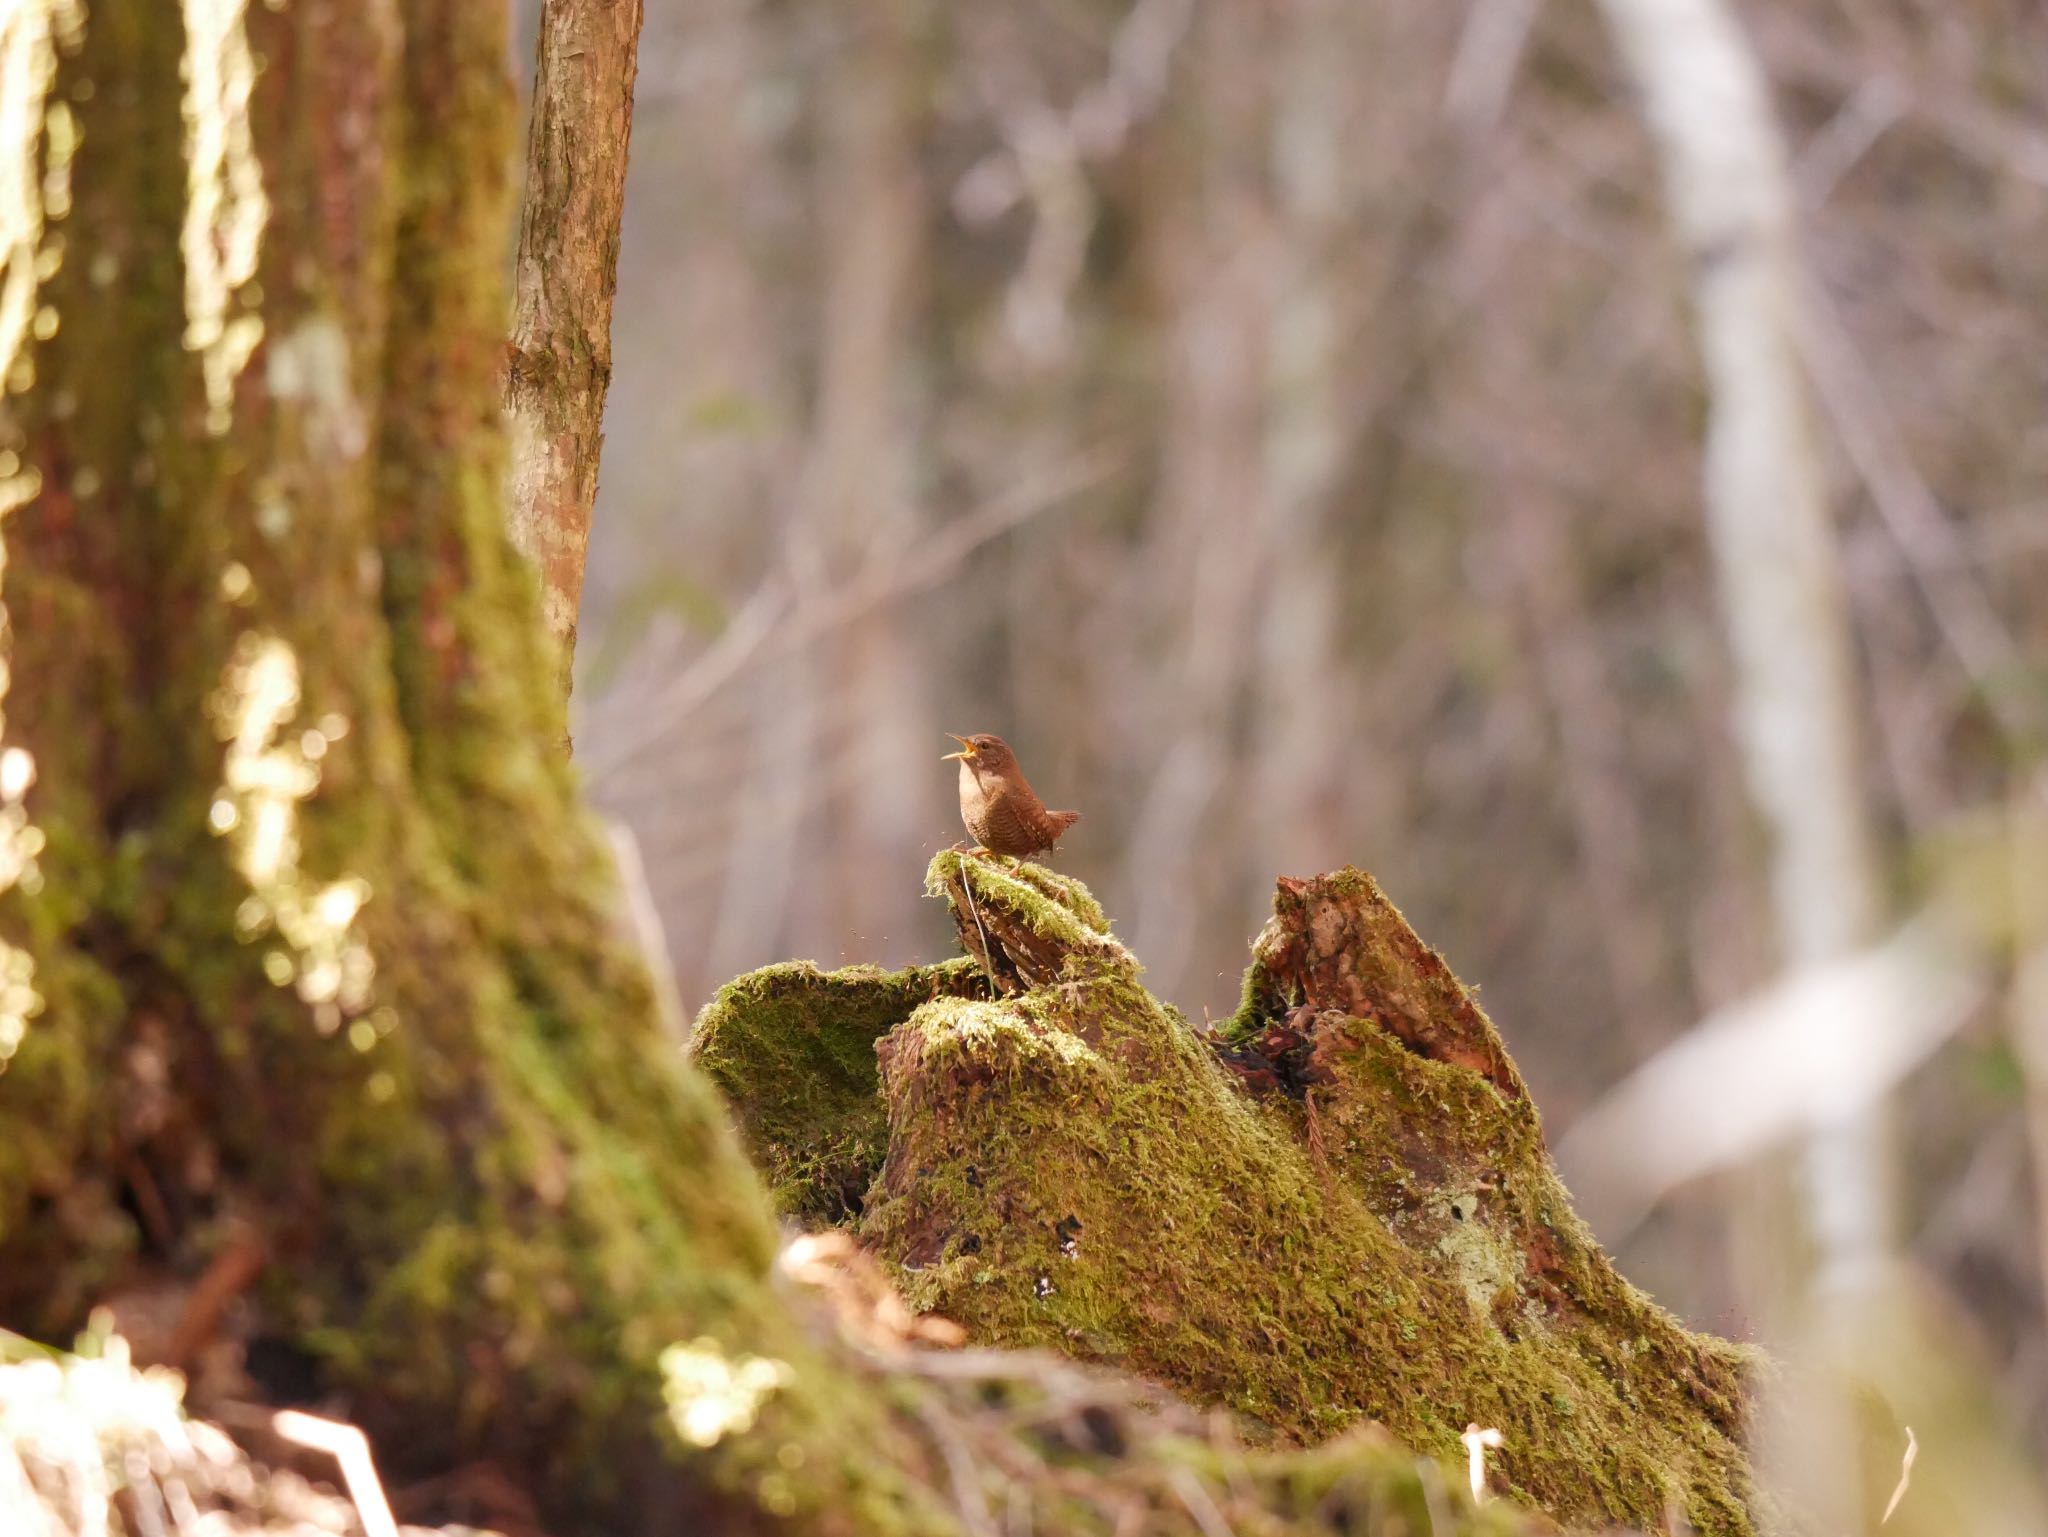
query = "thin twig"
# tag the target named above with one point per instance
(1191, 1494)
(232, 1272)
(1905, 1476)
(1433, 1499)
(1912, 514)
(349, 1447)
(988, 961)
(960, 1470)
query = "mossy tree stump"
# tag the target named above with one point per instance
(1336, 1208)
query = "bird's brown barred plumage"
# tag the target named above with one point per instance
(999, 806)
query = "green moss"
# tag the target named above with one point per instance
(1056, 908)
(1110, 1187)
(1393, 1248)
(1260, 999)
(793, 1049)
(1365, 1481)
(1064, 891)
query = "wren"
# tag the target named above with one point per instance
(997, 803)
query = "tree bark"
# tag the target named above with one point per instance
(567, 272)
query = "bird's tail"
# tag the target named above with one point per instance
(1062, 820)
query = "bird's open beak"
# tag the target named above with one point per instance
(966, 749)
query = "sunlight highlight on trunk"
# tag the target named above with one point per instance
(709, 1397)
(20, 842)
(30, 32)
(225, 205)
(269, 771)
(34, 187)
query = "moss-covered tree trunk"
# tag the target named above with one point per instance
(309, 987)
(322, 945)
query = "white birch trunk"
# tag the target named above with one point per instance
(1773, 543)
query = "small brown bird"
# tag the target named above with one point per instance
(998, 804)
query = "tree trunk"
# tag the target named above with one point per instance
(310, 956)
(1773, 539)
(567, 271)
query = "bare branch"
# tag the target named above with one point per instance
(560, 363)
